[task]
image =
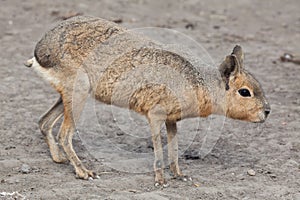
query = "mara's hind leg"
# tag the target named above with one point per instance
(173, 151)
(46, 124)
(72, 112)
(173, 148)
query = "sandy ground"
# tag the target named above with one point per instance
(265, 29)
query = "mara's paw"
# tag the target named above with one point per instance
(85, 174)
(60, 158)
(57, 154)
(160, 181)
(183, 178)
(163, 184)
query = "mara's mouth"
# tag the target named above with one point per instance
(261, 118)
(259, 121)
(258, 118)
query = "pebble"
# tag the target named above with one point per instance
(273, 176)
(190, 26)
(251, 172)
(196, 184)
(25, 169)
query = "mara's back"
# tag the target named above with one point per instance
(100, 45)
(72, 40)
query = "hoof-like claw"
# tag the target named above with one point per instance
(163, 185)
(157, 184)
(94, 177)
(85, 174)
(184, 178)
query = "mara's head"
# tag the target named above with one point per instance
(245, 99)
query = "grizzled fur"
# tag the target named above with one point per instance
(87, 55)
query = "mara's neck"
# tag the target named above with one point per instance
(211, 95)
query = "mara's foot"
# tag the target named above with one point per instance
(161, 183)
(59, 158)
(85, 174)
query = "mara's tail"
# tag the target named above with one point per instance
(29, 62)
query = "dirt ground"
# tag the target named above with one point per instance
(265, 29)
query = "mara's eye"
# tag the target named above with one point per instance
(244, 92)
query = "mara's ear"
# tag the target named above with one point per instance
(238, 52)
(229, 68)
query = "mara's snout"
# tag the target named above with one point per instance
(264, 113)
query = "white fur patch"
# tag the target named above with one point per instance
(47, 74)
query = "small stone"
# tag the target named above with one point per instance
(273, 176)
(251, 172)
(132, 190)
(97, 177)
(196, 184)
(118, 21)
(190, 26)
(120, 133)
(25, 169)
(184, 179)
(191, 155)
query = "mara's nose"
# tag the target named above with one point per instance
(267, 109)
(267, 112)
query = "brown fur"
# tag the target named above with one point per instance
(89, 55)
